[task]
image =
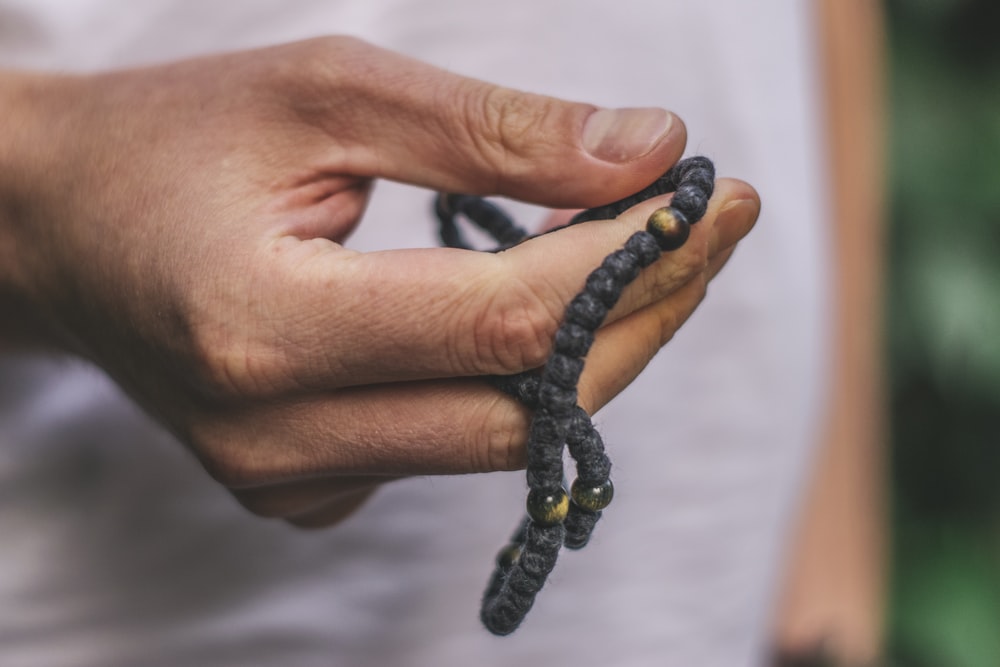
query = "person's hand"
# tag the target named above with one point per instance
(181, 226)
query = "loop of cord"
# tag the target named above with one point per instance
(554, 520)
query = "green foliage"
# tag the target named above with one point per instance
(944, 329)
(947, 607)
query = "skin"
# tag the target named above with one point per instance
(835, 589)
(181, 227)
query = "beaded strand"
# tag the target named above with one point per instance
(555, 517)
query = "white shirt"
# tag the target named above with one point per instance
(117, 549)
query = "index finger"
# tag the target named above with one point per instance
(346, 318)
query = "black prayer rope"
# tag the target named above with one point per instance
(556, 518)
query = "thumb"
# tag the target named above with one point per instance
(408, 121)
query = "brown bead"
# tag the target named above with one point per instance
(548, 509)
(593, 498)
(508, 556)
(669, 228)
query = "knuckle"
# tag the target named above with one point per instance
(316, 76)
(328, 54)
(504, 126)
(691, 263)
(668, 276)
(218, 376)
(230, 369)
(234, 458)
(512, 331)
(230, 465)
(500, 433)
(220, 369)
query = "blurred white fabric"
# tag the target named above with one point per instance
(116, 549)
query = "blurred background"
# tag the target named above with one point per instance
(944, 330)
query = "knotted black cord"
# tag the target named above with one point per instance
(554, 517)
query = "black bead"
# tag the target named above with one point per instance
(573, 340)
(691, 201)
(645, 248)
(602, 284)
(548, 509)
(593, 498)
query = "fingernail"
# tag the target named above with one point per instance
(733, 222)
(620, 135)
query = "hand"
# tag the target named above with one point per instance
(181, 226)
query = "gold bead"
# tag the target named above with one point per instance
(669, 228)
(548, 509)
(508, 556)
(593, 498)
